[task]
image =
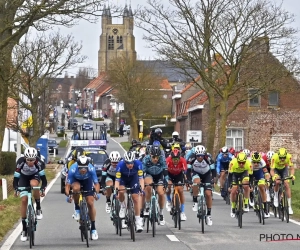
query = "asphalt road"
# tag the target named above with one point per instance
(58, 230)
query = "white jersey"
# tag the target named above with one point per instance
(112, 170)
(201, 167)
(259, 165)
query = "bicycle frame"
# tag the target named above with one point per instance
(201, 214)
(31, 220)
(176, 210)
(258, 203)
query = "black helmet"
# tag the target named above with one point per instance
(155, 151)
(134, 141)
(148, 149)
(78, 152)
(158, 131)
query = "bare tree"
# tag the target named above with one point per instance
(17, 16)
(221, 40)
(37, 61)
(137, 86)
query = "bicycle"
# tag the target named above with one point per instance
(153, 216)
(258, 204)
(129, 214)
(283, 208)
(202, 209)
(31, 220)
(84, 222)
(240, 202)
(175, 209)
(114, 213)
(271, 202)
(226, 186)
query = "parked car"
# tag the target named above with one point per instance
(87, 126)
(60, 130)
(73, 123)
(86, 114)
(126, 129)
(52, 145)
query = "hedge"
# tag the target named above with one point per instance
(7, 163)
(98, 119)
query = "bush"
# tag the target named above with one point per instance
(114, 135)
(98, 119)
(7, 163)
(61, 134)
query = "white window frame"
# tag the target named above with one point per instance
(234, 139)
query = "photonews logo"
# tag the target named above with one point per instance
(278, 237)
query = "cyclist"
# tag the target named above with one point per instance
(129, 173)
(75, 155)
(29, 171)
(222, 162)
(109, 176)
(176, 167)
(156, 135)
(201, 172)
(82, 173)
(258, 164)
(133, 145)
(154, 166)
(280, 164)
(240, 167)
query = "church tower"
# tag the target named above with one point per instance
(116, 39)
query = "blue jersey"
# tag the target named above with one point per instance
(188, 155)
(223, 161)
(74, 174)
(123, 172)
(154, 169)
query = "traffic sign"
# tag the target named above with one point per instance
(194, 136)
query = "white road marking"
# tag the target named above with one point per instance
(118, 143)
(172, 237)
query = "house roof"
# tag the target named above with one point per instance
(97, 82)
(165, 84)
(190, 85)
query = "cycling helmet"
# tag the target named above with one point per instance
(282, 153)
(82, 160)
(176, 145)
(114, 156)
(155, 151)
(78, 152)
(224, 150)
(158, 131)
(270, 155)
(134, 141)
(156, 144)
(148, 149)
(129, 156)
(241, 157)
(175, 134)
(232, 151)
(188, 146)
(168, 146)
(256, 157)
(175, 153)
(201, 150)
(30, 152)
(247, 152)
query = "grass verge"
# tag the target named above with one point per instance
(63, 143)
(296, 195)
(126, 145)
(10, 208)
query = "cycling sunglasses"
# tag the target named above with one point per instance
(30, 159)
(154, 157)
(200, 155)
(129, 162)
(282, 158)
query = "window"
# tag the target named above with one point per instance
(273, 98)
(119, 39)
(111, 43)
(254, 101)
(234, 138)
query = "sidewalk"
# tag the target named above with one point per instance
(119, 139)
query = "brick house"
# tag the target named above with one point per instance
(263, 123)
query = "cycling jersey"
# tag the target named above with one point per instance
(200, 167)
(153, 169)
(276, 163)
(123, 172)
(234, 167)
(178, 168)
(223, 162)
(74, 174)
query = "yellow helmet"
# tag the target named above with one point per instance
(282, 153)
(256, 157)
(176, 145)
(241, 157)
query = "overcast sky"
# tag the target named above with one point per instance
(89, 34)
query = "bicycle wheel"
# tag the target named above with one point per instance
(241, 202)
(153, 215)
(286, 208)
(261, 209)
(178, 211)
(131, 219)
(174, 212)
(30, 231)
(280, 206)
(84, 224)
(201, 215)
(115, 213)
(257, 206)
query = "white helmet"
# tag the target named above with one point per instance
(200, 150)
(247, 152)
(129, 156)
(224, 150)
(175, 133)
(270, 155)
(30, 152)
(82, 160)
(114, 156)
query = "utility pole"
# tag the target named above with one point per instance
(73, 105)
